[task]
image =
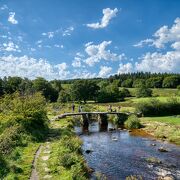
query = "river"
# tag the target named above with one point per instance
(119, 154)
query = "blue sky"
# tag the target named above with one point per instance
(65, 39)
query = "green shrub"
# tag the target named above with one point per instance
(132, 122)
(143, 92)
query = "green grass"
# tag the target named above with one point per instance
(172, 120)
(166, 128)
(157, 92)
(65, 159)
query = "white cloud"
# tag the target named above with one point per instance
(83, 74)
(176, 45)
(4, 7)
(68, 31)
(10, 46)
(125, 68)
(76, 62)
(108, 14)
(59, 46)
(143, 42)
(79, 54)
(49, 34)
(99, 52)
(104, 71)
(25, 66)
(11, 18)
(158, 62)
(163, 36)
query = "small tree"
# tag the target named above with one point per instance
(127, 83)
(64, 96)
(171, 82)
(143, 92)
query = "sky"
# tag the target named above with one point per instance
(67, 39)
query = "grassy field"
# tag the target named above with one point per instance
(170, 120)
(157, 92)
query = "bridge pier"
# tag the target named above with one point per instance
(85, 119)
(103, 121)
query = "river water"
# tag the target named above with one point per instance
(119, 154)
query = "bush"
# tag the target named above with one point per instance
(132, 122)
(120, 119)
(125, 92)
(143, 92)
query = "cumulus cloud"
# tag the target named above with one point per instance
(99, 52)
(163, 36)
(158, 62)
(104, 71)
(25, 66)
(125, 68)
(83, 74)
(12, 19)
(76, 62)
(108, 14)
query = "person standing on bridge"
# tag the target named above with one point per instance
(73, 107)
(119, 107)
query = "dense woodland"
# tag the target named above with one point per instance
(100, 90)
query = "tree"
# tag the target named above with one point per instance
(143, 92)
(42, 85)
(64, 96)
(56, 84)
(11, 84)
(127, 83)
(110, 93)
(1, 87)
(154, 82)
(138, 83)
(84, 90)
(171, 82)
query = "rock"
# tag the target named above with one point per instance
(45, 158)
(46, 169)
(114, 138)
(89, 151)
(119, 129)
(153, 144)
(112, 129)
(129, 130)
(168, 177)
(47, 177)
(161, 149)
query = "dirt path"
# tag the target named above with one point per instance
(34, 173)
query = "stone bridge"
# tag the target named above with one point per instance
(102, 117)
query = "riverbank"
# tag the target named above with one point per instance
(61, 156)
(166, 128)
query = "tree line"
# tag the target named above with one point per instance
(99, 90)
(150, 80)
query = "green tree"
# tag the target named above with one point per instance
(127, 83)
(143, 92)
(154, 82)
(84, 90)
(64, 96)
(11, 84)
(171, 82)
(138, 83)
(42, 85)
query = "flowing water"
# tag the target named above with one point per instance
(119, 154)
